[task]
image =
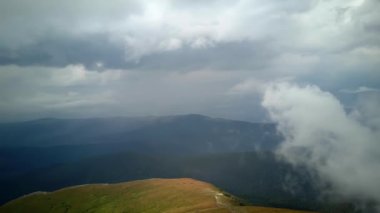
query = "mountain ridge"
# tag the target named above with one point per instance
(150, 195)
(53, 132)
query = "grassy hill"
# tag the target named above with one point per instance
(243, 174)
(152, 195)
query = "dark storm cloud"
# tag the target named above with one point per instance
(244, 55)
(56, 51)
(182, 35)
(290, 6)
(98, 52)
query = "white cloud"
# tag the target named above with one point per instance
(321, 135)
(249, 86)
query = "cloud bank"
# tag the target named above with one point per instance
(342, 148)
(124, 33)
(150, 52)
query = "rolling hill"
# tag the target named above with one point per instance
(152, 195)
(255, 176)
(49, 154)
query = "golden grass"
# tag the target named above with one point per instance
(256, 209)
(153, 195)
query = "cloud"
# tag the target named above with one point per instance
(59, 51)
(74, 91)
(123, 33)
(367, 109)
(92, 50)
(333, 44)
(33, 92)
(361, 89)
(141, 28)
(342, 149)
(231, 56)
(246, 87)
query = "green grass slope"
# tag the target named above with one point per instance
(152, 195)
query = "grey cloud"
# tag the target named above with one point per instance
(23, 21)
(333, 44)
(94, 50)
(59, 51)
(292, 6)
(244, 55)
(202, 5)
(145, 34)
(341, 148)
(369, 16)
(367, 110)
(73, 91)
(143, 27)
(361, 89)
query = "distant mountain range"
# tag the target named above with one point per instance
(48, 154)
(219, 135)
(40, 143)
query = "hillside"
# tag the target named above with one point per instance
(49, 154)
(243, 174)
(152, 195)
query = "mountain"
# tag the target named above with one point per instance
(153, 195)
(52, 132)
(49, 154)
(255, 176)
(35, 144)
(142, 133)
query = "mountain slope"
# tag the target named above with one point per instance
(153, 195)
(255, 176)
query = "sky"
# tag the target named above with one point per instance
(95, 58)
(311, 66)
